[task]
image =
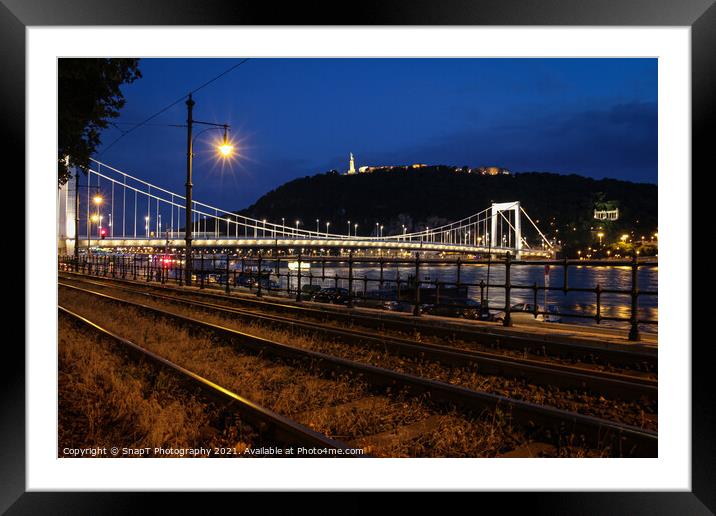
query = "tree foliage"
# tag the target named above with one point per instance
(89, 95)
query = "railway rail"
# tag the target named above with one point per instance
(549, 423)
(270, 424)
(613, 385)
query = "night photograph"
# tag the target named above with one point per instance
(357, 257)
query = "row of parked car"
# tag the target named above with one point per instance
(244, 280)
(463, 308)
(458, 308)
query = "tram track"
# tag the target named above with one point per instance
(271, 425)
(613, 385)
(549, 422)
(631, 363)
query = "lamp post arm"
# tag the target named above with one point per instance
(203, 131)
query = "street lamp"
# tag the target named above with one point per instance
(328, 225)
(97, 199)
(225, 150)
(93, 218)
(349, 228)
(355, 230)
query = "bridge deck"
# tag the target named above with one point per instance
(305, 243)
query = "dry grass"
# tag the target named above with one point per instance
(300, 394)
(105, 400)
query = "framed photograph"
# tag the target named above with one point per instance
(419, 248)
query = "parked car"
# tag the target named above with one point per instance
(523, 313)
(552, 314)
(379, 304)
(245, 280)
(460, 308)
(309, 291)
(338, 296)
(400, 306)
(375, 299)
(269, 284)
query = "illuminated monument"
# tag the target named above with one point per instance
(352, 165)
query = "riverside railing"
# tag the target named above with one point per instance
(307, 277)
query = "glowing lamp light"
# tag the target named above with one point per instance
(97, 199)
(226, 149)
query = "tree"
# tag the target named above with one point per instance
(89, 96)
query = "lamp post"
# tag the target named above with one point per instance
(349, 228)
(328, 225)
(225, 150)
(97, 199)
(93, 218)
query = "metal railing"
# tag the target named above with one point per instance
(274, 273)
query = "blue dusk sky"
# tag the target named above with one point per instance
(296, 117)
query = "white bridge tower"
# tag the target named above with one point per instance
(497, 211)
(66, 215)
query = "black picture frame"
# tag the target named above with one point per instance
(700, 15)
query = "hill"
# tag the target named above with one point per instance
(563, 204)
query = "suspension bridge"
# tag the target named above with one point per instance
(109, 208)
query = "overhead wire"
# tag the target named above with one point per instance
(166, 108)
